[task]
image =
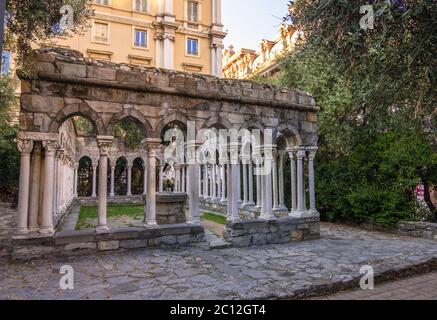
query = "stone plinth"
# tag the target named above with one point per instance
(283, 230)
(170, 208)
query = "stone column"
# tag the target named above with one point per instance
(152, 147)
(193, 184)
(245, 186)
(129, 179)
(219, 182)
(233, 189)
(293, 181)
(104, 144)
(25, 147)
(267, 185)
(35, 189)
(214, 182)
(76, 179)
(281, 182)
(56, 181)
(200, 182)
(223, 181)
(46, 226)
(94, 194)
(238, 184)
(311, 157)
(258, 189)
(250, 167)
(205, 181)
(161, 178)
(300, 183)
(183, 189)
(275, 182)
(112, 188)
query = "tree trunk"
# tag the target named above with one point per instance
(427, 198)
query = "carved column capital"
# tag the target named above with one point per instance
(49, 147)
(25, 146)
(311, 153)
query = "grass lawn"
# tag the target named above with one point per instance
(213, 217)
(114, 210)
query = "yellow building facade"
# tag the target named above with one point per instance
(247, 63)
(183, 35)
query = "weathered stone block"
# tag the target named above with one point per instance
(296, 235)
(133, 244)
(101, 73)
(108, 245)
(71, 70)
(80, 246)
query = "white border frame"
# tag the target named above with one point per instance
(109, 32)
(133, 38)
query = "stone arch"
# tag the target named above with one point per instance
(81, 110)
(174, 117)
(135, 116)
(215, 120)
(289, 133)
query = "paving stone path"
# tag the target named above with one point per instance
(423, 287)
(275, 271)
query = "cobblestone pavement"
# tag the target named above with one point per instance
(7, 224)
(422, 287)
(275, 271)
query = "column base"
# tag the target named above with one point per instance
(304, 214)
(48, 230)
(233, 219)
(151, 224)
(112, 195)
(21, 231)
(223, 201)
(195, 222)
(102, 229)
(33, 229)
(250, 204)
(267, 217)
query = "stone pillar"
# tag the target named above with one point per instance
(233, 189)
(311, 157)
(193, 184)
(25, 147)
(250, 167)
(223, 181)
(94, 194)
(275, 183)
(184, 171)
(267, 185)
(219, 182)
(281, 182)
(152, 146)
(205, 181)
(129, 179)
(300, 182)
(200, 182)
(258, 189)
(210, 193)
(112, 187)
(214, 182)
(293, 181)
(161, 178)
(245, 186)
(46, 226)
(104, 144)
(35, 189)
(76, 179)
(238, 184)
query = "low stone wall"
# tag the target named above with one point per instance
(90, 201)
(170, 208)
(88, 241)
(426, 230)
(283, 230)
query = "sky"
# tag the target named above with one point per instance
(249, 21)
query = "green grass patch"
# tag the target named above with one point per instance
(114, 210)
(213, 217)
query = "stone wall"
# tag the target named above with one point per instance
(425, 230)
(282, 230)
(170, 208)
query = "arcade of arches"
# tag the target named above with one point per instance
(60, 162)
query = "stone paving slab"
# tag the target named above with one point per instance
(291, 270)
(423, 287)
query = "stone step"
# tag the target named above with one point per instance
(218, 243)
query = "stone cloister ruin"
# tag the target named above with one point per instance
(68, 85)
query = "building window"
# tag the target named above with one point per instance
(5, 63)
(140, 5)
(193, 11)
(101, 32)
(104, 2)
(140, 38)
(192, 47)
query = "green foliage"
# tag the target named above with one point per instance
(9, 156)
(213, 217)
(377, 91)
(32, 24)
(130, 132)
